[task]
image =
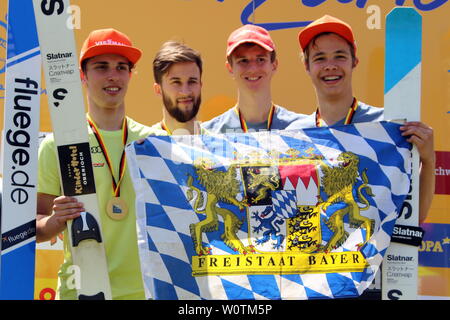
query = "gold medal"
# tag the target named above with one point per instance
(116, 208)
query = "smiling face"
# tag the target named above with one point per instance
(106, 79)
(180, 90)
(251, 67)
(330, 65)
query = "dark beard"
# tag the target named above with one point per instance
(179, 115)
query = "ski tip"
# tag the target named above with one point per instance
(403, 12)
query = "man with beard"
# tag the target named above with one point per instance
(252, 63)
(177, 70)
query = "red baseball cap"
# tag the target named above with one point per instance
(250, 33)
(104, 41)
(326, 24)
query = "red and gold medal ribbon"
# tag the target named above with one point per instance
(166, 128)
(348, 118)
(244, 124)
(123, 159)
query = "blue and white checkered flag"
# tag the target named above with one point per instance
(284, 203)
(205, 211)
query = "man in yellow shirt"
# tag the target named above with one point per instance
(107, 59)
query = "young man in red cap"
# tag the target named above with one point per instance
(177, 70)
(329, 53)
(252, 62)
(107, 59)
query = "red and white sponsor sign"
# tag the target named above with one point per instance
(442, 172)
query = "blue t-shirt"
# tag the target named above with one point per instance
(229, 122)
(364, 113)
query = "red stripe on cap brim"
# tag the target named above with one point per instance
(305, 36)
(260, 43)
(131, 53)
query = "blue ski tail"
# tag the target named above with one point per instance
(18, 216)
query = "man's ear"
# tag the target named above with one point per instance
(229, 67)
(157, 88)
(306, 65)
(355, 62)
(275, 65)
(82, 76)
